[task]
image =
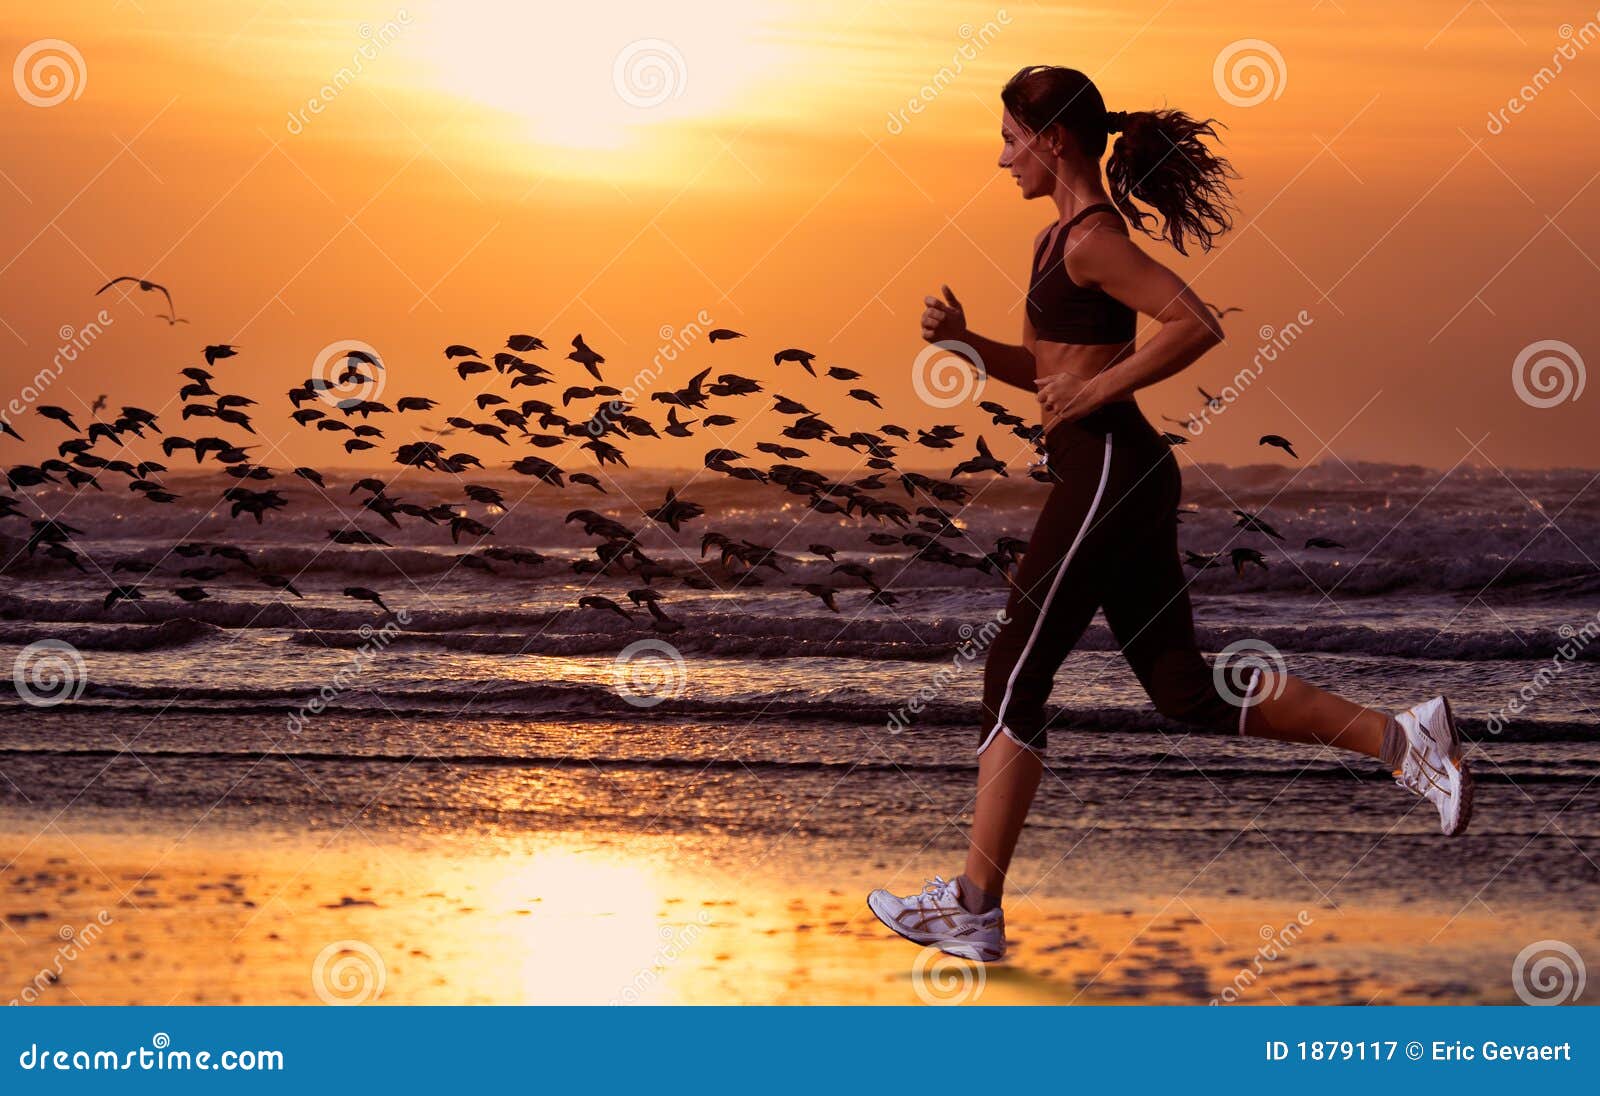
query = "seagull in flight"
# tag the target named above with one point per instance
(171, 315)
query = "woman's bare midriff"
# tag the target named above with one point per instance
(1075, 360)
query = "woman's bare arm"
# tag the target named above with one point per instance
(1004, 362)
(1111, 261)
(946, 322)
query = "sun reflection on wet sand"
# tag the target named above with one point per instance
(593, 927)
(258, 918)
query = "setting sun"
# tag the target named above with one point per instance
(592, 76)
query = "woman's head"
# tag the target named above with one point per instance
(1054, 116)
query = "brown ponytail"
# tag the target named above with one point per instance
(1161, 160)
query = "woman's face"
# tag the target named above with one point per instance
(1028, 157)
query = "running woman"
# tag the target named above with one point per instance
(1107, 535)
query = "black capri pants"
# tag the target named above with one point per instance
(1107, 539)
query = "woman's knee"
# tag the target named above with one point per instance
(1185, 690)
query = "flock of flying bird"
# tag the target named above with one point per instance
(540, 425)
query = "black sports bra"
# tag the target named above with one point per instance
(1063, 311)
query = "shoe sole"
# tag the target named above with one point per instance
(1463, 768)
(972, 952)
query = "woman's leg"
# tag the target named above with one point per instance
(1054, 596)
(1154, 624)
(1147, 606)
(1291, 710)
(1008, 776)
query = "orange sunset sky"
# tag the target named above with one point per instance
(482, 174)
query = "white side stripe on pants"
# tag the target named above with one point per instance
(1044, 610)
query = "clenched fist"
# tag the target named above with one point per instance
(945, 320)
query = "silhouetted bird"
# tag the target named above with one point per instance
(820, 590)
(804, 357)
(1255, 525)
(985, 461)
(149, 287)
(603, 604)
(361, 593)
(59, 414)
(278, 582)
(122, 593)
(585, 357)
(1243, 556)
(1280, 442)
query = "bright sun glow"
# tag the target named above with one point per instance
(593, 936)
(591, 75)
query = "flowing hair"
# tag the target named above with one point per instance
(1160, 158)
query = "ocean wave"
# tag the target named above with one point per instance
(577, 702)
(138, 637)
(764, 647)
(1569, 771)
(1405, 528)
(896, 636)
(417, 573)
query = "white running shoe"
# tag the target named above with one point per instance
(936, 916)
(1433, 766)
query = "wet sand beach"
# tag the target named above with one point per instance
(242, 917)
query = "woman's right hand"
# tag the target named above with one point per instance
(943, 321)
